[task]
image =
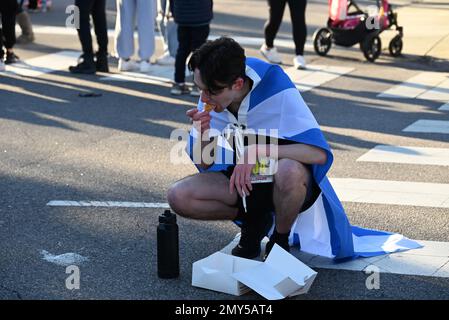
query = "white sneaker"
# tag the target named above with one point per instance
(2, 66)
(126, 65)
(195, 91)
(166, 59)
(271, 55)
(299, 62)
(145, 66)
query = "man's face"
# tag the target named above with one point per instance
(221, 99)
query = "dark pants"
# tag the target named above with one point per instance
(189, 39)
(32, 4)
(96, 8)
(298, 17)
(8, 11)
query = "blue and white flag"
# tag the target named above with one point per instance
(275, 105)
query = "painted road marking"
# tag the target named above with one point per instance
(315, 75)
(410, 155)
(426, 85)
(108, 204)
(348, 190)
(430, 260)
(44, 64)
(65, 259)
(428, 126)
(444, 107)
(438, 93)
(251, 41)
(305, 80)
(157, 75)
(392, 192)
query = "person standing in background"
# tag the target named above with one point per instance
(8, 11)
(169, 31)
(35, 5)
(144, 11)
(298, 17)
(193, 18)
(87, 63)
(24, 21)
(32, 5)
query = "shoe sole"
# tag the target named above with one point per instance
(233, 252)
(269, 59)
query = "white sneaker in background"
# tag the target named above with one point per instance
(2, 66)
(165, 60)
(126, 65)
(145, 66)
(195, 91)
(299, 62)
(271, 55)
(179, 88)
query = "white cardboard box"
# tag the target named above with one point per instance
(215, 273)
(280, 276)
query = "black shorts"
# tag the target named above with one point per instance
(263, 192)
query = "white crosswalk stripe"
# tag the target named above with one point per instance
(35, 67)
(430, 260)
(425, 85)
(107, 204)
(410, 155)
(392, 192)
(315, 75)
(244, 41)
(444, 107)
(429, 126)
(305, 80)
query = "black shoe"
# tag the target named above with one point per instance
(101, 64)
(253, 231)
(86, 65)
(11, 58)
(270, 244)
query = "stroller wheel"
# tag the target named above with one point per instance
(371, 47)
(395, 46)
(322, 41)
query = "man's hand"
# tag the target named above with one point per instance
(241, 177)
(200, 120)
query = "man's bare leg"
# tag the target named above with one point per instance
(289, 192)
(203, 196)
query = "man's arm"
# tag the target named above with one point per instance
(201, 122)
(206, 159)
(303, 153)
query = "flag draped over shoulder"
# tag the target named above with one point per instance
(275, 105)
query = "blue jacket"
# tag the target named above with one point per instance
(192, 12)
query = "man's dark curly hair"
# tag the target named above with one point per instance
(220, 63)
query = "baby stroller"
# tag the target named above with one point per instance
(347, 28)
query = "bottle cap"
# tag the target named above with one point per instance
(167, 217)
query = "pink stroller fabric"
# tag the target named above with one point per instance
(383, 16)
(337, 10)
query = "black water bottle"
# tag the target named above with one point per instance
(167, 246)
